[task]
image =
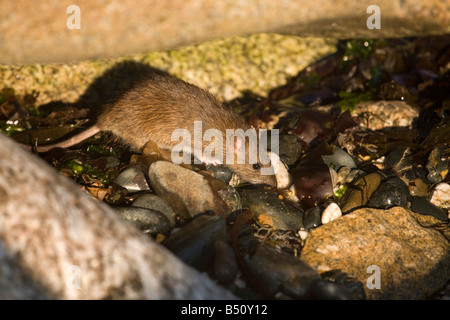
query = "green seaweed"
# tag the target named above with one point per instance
(349, 100)
(9, 128)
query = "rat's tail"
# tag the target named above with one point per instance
(87, 133)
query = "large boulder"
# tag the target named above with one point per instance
(395, 253)
(46, 31)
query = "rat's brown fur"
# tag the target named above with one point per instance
(160, 104)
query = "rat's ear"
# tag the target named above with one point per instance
(237, 144)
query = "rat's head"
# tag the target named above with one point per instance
(254, 173)
(248, 158)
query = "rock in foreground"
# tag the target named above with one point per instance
(411, 258)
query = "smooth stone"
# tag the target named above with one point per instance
(187, 192)
(359, 193)
(339, 159)
(312, 218)
(341, 176)
(441, 196)
(423, 206)
(146, 220)
(303, 234)
(355, 288)
(331, 213)
(269, 209)
(225, 264)
(418, 187)
(220, 172)
(413, 260)
(312, 183)
(391, 192)
(277, 272)
(282, 175)
(399, 158)
(133, 178)
(290, 149)
(326, 290)
(154, 202)
(194, 242)
(437, 164)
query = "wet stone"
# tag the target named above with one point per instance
(438, 164)
(154, 202)
(220, 172)
(278, 272)
(391, 192)
(418, 187)
(290, 149)
(326, 290)
(225, 264)
(133, 178)
(423, 206)
(269, 209)
(355, 288)
(194, 242)
(311, 218)
(359, 193)
(146, 220)
(399, 158)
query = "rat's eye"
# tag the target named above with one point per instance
(256, 166)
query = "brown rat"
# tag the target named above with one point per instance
(160, 104)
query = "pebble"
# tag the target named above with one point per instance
(303, 234)
(154, 202)
(277, 272)
(441, 196)
(380, 114)
(269, 209)
(417, 187)
(133, 178)
(391, 192)
(289, 148)
(188, 193)
(399, 159)
(225, 264)
(326, 290)
(423, 206)
(312, 183)
(220, 172)
(339, 159)
(146, 220)
(359, 193)
(312, 218)
(331, 212)
(355, 288)
(194, 242)
(438, 164)
(282, 175)
(341, 177)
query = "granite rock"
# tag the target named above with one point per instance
(411, 257)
